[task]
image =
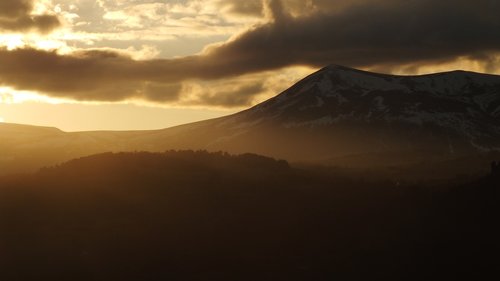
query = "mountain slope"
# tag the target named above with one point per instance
(27, 148)
(339, 112)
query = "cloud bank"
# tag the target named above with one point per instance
(383, 35)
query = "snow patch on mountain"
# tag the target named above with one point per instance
(485, 100)
(351, 78)
(379, 104)
(319, 103)
(496, 112)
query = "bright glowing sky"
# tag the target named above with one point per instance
(147, 64)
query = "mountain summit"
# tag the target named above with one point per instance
(459, 101)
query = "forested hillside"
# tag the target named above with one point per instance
(214, 216)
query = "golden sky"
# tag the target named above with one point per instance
(147, 64)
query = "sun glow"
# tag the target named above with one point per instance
(11, 41)
(12, 96)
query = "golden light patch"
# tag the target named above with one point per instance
(11, 41)
(12, 96)
(461, 63)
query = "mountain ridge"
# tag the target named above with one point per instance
(316, 86)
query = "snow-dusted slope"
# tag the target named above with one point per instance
(460, 105)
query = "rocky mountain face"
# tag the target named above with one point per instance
(337, 115)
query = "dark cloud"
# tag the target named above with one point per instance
(99, 75)
(232, 96)
(369, 33)
(381, 34)
(90, 75)
(15, 15)
(160, 92)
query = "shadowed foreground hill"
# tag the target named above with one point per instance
(212, 216)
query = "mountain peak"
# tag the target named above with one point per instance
(332, 68)
(445, 83)
(458, 103)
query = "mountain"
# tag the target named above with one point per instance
(342, 113)
(338, 115)
(26, 148)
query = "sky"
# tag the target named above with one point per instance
(149, 64)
